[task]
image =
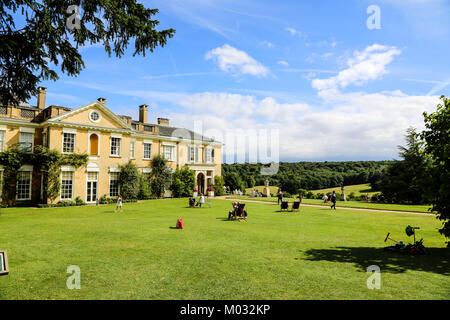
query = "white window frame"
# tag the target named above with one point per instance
(28, 169)
(133, 149)
(27, 131)
(72, 171)
(143, 148)
(2, 140)
(208, 155)
(172, 154)
(74, 141)
(114, 171)
(120, 146)
(195, 148)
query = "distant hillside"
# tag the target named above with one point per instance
(304, 175)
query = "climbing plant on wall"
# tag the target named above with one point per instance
(46, 160)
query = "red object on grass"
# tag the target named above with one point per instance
(180, 224)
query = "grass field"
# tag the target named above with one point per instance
(137, 254)
(358, 189)
(347, 204)
(273, 189)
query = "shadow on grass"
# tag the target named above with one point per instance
(438, 260)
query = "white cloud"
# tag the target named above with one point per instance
(236, 62)
(348, 126)
(293, 31)
(283, 63)
(359, 126)
(267, 44)
(369, 64)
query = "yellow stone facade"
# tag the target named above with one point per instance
(110, 140)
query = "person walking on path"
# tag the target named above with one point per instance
(119, 204)
(333, 200)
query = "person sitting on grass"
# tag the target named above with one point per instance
(201, 200)
(119, 204)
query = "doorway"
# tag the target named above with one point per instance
(201, 183)
(91, 187)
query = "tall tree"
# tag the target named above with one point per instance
(183, 182)
(404, 180)
(129, 180)
(437, 138)
(161, 176)
(35, 35)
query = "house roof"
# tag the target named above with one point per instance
(164, 131)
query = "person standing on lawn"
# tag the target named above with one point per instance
(333, 200)
(119, 204)
(280, 196)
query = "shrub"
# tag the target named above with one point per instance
(129, 180)
(161, 176)
(144, 187)
(106, 200)
(309, 195)
(79, 201)
(183, 182)
(351, 196)
(319, 195)
(218, 185)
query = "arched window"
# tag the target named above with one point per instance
(93, 143)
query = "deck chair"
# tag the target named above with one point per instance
(284, 206)
(296, 206)
(239, 213)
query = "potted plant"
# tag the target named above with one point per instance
(210, 191)
(195, 192)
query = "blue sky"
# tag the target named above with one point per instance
(310, 70)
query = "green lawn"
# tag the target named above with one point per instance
(137, 254)
(346, 204)
(358, 189)
(273, 189)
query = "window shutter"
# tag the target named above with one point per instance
(196, 154)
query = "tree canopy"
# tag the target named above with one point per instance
(36, 35)
(437, 144)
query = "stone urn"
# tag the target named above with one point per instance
(210, 193)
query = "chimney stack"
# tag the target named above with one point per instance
(41, 97)
(163, 121)
(102, 101)
(143, 113)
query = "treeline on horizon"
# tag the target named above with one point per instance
(292, 176)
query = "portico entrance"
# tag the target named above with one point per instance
(201, 183)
